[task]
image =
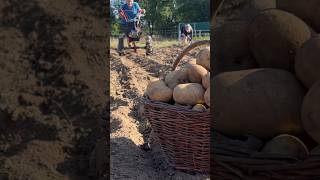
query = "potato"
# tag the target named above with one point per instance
(207, 96)
(190, 61)
(189, 93)
(206, 80)
(307, 10)
(203, 58)
(260, 102)
(254, 7)
(195, 73)
(311, 112)
(307, 62)
(199, 107)
(231, 50)
(158, 91)
(176, 77)
(286, 145)
(275, 36)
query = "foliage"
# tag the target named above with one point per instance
(164, 14)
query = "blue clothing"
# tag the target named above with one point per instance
(131, 13)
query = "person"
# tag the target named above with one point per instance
(127, 12)
(186, 33)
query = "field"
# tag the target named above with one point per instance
(129, 77)
(52, 79)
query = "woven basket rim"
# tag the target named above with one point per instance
(171, 107)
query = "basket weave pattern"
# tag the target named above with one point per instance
(183, 134)
(233, 160)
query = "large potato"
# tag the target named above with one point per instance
(286, 145)
(307, 10)
(254, 7)
(206, 80)
(189, 93)
(176, 77)
(260, 102)
(275, 36)
(230, 48)
(307, 62)
(203, 58)
(311, 112)
(195, 73)
(158, 91)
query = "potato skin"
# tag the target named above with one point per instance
(189, 94)
(206, 80)
(195, 73)
(287, 145)
(199, 108)
(260, 102)
(275, 37)
(311, 112)
(307, 63)
(230, 48)
(203, 58)
(158, 91)
(254, 7)
(307, 10)
(176, 77)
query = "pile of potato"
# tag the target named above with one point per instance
(188, 86)
(267, 75)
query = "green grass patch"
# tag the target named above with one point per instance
(157, 43)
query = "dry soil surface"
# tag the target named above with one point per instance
(130, 75)
(52, 76)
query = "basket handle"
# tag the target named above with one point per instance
(186, 50)
(198, 43)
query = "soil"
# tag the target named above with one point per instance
(130, 75)
(52, 77)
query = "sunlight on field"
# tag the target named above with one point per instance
(157, 43)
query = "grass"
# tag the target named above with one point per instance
(157, 43)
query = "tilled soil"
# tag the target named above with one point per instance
(52, 76)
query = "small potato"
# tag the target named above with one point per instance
(199, 107)
(158, 91)
(203, 58)
(195, 73)
(287, 145)
(177, 77)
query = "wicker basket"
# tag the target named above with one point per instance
(235, 159)
(183, 134)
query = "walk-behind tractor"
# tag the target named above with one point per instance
(133, 30)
